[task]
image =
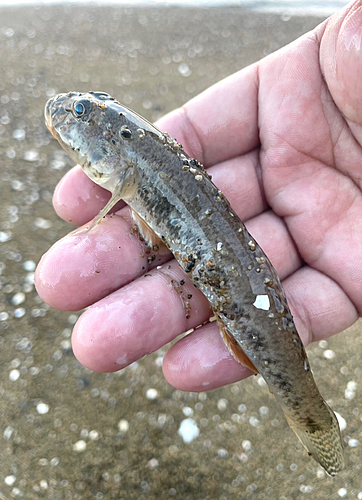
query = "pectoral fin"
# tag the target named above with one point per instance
(115, 198)
(234, 348)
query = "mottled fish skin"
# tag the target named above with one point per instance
(175, 196)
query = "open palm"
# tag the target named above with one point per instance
(282, 140)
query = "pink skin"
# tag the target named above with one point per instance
(282, 139)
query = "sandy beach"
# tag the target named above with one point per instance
(69, 433)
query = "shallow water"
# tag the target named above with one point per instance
(68, 433)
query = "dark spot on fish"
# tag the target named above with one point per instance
(191, 260)
(189, 296)
(285, 386)
(311, 424)
(259, 344)
(182, 282)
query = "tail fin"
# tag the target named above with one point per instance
(323, 444)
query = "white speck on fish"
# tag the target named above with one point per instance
(262, 302)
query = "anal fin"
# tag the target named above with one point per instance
(234, 348)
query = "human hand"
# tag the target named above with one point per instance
(282, 140)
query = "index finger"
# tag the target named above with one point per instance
(220, 123)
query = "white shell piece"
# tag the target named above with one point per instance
(262, 302)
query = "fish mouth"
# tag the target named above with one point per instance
(48, 116)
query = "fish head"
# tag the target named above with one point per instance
(93, 130)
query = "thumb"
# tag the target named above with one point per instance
(341, 63)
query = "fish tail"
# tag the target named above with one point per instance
(323, 442)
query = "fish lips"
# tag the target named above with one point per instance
(48, 116)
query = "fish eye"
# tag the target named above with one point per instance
(79, 109)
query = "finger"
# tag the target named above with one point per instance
(341, 63)
(100, 261)
(239, 180)
(321, 306)
(272, 235)
(85, 266)
(138, 319)
(77, 199)
(200, 361)
(222, 122)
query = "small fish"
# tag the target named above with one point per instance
(173, 200)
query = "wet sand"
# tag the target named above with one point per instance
(68, 433)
